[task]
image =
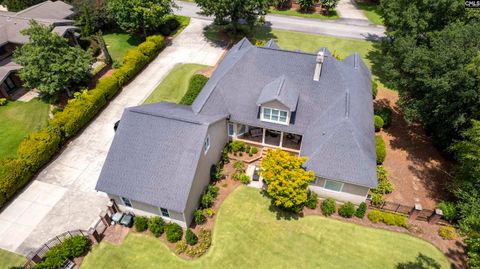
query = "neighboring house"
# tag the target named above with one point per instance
(56, 13)
(309, 104)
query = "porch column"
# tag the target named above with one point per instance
(263, 136)
(281, 139)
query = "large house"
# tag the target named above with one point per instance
(56, 14)
(310, 104)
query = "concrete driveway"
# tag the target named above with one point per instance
(62, 197)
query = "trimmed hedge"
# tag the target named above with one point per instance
(347, 210)
(381, 149)
(38, 148)
(190, 237)
(141, 223)
(388, 218)
(329, 206)
(71, 247)
(197, 82)
(156, 225)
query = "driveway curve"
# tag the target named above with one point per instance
(62, 196)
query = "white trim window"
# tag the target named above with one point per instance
(241, 129)
(126, 202)
(164, 212)
(275, 115)
(206, 144)
(332, 185)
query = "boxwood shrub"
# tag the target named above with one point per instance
(156, 225)
(190, 237)
(381, 149)
(388, 218)
(312, 200)
(386, 114)
(347, 210)
(361, 210)
(141, 223)
(71, 247)
(378, 123)
(197, 82)
(173, 232)
(329, 206)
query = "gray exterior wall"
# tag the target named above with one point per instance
(142, 209)
(349, 193)
(218, 139)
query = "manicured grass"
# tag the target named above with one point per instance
(175, 85)
(248, 235)
(9, 259)
(291, 40)
(372, 11)
(119, 43)
(18, 120)
(291, 12)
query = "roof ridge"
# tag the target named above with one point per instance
(280, 87)
(291, 51)
(33, 7)
(170, 117)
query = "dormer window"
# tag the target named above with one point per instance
(274, 115)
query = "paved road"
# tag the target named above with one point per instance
(62, 197)
(350, 28)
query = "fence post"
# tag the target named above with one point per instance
(93, 235)
(436, 216)
(415, 211)
(105, 218)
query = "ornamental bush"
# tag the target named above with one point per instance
(180, 247)
(388, 218)
(312, 200)
(244, 179)
(449, 210)
(71, 247)
(253, 150)
(209, 212)
(204, 242)
(14, 174)
(199, 217)
(447, 232)
(173, 232)
(156, 225)
(141, 223)
(237, 146)
(191, 237)
(361, 210)
(386, 114)
(197, 82)
(329, 206)
(378, 123)
(347, 210)
(381, 149)
(3, 101)
(206, 200)
(374, 88)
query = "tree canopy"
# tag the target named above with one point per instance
(286, 179)
(426, 55)
(17, 5)
(48, 62)
(140, 16)
(232, 11)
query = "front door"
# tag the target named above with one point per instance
(11, 87)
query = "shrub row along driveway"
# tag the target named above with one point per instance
(249, 235)
(62, 196)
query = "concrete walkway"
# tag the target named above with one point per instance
(348, 10)
(62, 197)
(348, 28)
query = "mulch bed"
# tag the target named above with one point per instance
(415, 167)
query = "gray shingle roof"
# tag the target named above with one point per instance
(282, 90)
(155, 153)
(339, 104)
(6, 67)
(46, 13)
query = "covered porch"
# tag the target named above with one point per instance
(265, 137)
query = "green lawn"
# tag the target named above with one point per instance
(248, 235)
(18, 120)
(372, 11)
(290, 12)
(119, 43)
(291, 40)
(10, 259)
(175, 85)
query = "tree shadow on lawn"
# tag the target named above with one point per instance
(281, 214)
(219, 35)
(421, 262)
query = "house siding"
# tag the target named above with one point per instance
(143, 209)
(218, 139)
(349, 193)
